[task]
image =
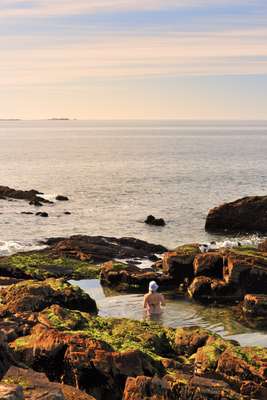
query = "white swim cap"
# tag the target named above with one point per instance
(153, 286)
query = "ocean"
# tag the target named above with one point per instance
(115, 173)
(118, 172)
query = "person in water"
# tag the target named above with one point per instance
(153, 301)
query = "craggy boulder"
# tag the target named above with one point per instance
(36, 386)
(208, 290)
(209, 264)
(248, 214)
(177, 386)
(179, 263)
(35, 296)
(248, 272)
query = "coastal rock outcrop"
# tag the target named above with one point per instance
(248, 214)
(179, 263)
(102, 248)
(124, 277)
(35, 296)
(33, 196)
(29, 384)
(138, 360)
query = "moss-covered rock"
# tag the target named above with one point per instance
(33, 296)
(39, 265)
(179, 263)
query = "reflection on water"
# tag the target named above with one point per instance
(178, 312)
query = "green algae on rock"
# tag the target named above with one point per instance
(34, 296)
(39, 265)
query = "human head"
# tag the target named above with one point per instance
(153, 286)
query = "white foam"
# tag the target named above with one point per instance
(11, 247)
(230, 243)
(49, 196)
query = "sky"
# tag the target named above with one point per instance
(133, 59)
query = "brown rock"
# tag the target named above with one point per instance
(11, 392)
(179, 263)
(248, 214)
(206, 289)
(37, 295)
(102, 248)
(209, 264)
(125, 277)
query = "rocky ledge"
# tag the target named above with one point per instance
(248, 214)
(77, 257)
(34, 197)
(50, 350)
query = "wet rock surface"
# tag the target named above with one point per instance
(248, 214)
(28, 195)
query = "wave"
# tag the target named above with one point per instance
(10, 247)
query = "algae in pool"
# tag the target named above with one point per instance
(178, 312)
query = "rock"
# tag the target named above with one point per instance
(27, 213)
(101, 248)
(6, 356)
(179, 263)
(151, 220)
(263, 246)
(81, 361)
(28, 195)
(125, 277)
(36, 203)
(209, 264)
(67, 212)
(11, 392)
(248, 214)
(254, 309)
(35, 296)
(248, 271)
(188, 340)
(42, 214)
(177, 386)
(42, 265)
(208, 290)
(62, 198)
(35, 386)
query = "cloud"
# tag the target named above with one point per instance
(42, 8)
(113, 56)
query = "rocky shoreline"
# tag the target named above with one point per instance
(53, 344)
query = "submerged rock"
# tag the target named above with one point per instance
(248, 214)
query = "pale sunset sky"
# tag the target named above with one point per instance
(136, 59)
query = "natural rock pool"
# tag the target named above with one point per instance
(178, 312)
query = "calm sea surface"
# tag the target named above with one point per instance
(116, 173)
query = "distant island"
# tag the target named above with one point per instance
(58, 119)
